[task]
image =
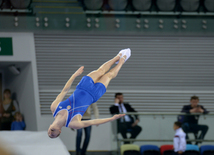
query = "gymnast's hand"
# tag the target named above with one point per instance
(118, 116)
(79, 71)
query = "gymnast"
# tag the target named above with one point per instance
(69, 112)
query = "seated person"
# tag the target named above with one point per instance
(18, 124)
(127, 122)
(190, 123)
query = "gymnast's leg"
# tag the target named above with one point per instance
(97, 74)
(105, 79)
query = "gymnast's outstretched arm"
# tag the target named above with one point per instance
(83, 124)
(66, 88)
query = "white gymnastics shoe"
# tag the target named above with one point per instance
(126, 52)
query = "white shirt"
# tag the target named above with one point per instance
(179, 140)
(123, 110)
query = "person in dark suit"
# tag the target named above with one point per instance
(190, 123)
(126, 123)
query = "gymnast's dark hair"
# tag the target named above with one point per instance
(117, 94)
(178, 124)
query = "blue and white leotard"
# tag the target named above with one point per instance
(86, 93)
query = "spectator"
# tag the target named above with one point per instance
(8, 108)
(190, 123)
(126, 123)
(18, 124)
(86, 116)
(179, 139)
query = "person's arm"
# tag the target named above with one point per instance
(114, 109)
(185, 109)
(66, 88)
(95, 110)
(22, 124)
(203, 110)
(12, 126)
(130, 109)
(182, 144)
(83, 124)
(176, 142)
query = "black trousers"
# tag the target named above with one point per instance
(126, 127)
(187, 127)
(86, 141)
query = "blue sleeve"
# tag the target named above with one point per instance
(12, 126)
(23, 124)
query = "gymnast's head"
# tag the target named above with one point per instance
(53, 131)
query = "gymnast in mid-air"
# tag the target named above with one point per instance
(69, 112)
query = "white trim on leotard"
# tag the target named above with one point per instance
(70, 110)
(56, 109)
